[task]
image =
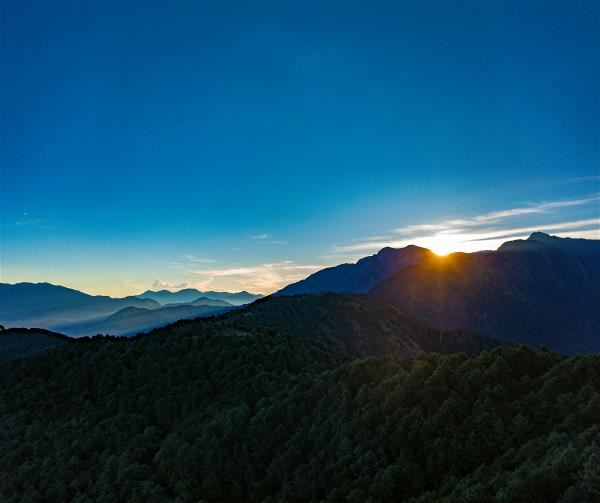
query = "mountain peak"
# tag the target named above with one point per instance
(539, 236)
(361, 276)
(388, 250)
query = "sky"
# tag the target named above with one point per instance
(246, 145)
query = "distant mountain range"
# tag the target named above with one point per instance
(71, 312)
(55, 307)
(191, 295)
(133, 320)
(202, 301)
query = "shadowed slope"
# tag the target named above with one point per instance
(527, 292)
(359, 277)
(354, 324)
(16, 342)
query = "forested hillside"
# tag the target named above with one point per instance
(203, 411)
(355, 325)
(16, 342)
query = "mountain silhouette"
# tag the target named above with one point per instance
(539, 291)
(201, 301)
(56, 307)
(133, 320)
(362, 276)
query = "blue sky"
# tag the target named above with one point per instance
(245, 145)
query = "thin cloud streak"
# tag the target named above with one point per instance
(485, 231)
(495, 216)
(577, 225)
(198, 260)
(268, 239)
(457, 238)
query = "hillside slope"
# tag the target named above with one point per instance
(355, 325)
(17, 342)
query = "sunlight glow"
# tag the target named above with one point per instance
(443, 244)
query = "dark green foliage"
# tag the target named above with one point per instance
(210, 411)
(16, 342)
(355, 325)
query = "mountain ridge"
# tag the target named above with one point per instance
(361, 276)
(527, 292)
(55, 307)
(188, 295)
(351, 324)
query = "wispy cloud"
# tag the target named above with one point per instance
(159, 283)
(494, 217)
(30, 222)
(197, 260)
(579, 179)
(261, 278)
(485, 231)
(267, 238)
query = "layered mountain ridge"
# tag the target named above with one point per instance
(542, 291)
(69, 311)
(188, 295)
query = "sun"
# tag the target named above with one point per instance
(442, 244)
(441, 249)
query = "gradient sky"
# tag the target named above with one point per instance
(245, 145)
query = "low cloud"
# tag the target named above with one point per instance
(261, 278)
(164, 285)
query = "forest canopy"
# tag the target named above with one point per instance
(213, 411)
